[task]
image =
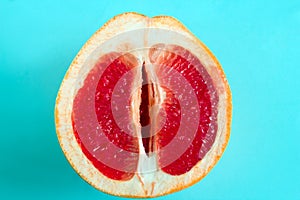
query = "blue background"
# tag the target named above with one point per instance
(257, 43)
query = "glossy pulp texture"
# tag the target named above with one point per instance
(113, 150)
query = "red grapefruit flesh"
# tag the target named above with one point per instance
(200, 142)
(96, 138)
(144, 109)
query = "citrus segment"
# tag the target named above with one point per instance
(95, 127)
(197, 81)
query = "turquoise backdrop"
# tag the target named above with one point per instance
(257, 43)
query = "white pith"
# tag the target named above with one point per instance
(142, 184)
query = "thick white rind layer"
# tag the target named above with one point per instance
(158, 183)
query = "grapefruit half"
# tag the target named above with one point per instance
(144, 109)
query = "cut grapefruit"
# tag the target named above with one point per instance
(144, 109)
